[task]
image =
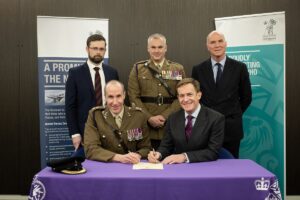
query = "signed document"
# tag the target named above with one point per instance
(146, 165)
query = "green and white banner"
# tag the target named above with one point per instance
(259, 41)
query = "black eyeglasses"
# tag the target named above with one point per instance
(98, 49)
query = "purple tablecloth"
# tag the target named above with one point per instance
(222, 179)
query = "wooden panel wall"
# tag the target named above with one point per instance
(185, 24)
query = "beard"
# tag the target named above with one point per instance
(96, 59)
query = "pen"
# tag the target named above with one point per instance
(154, 153)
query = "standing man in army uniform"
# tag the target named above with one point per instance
(117, 133)
(152, 86)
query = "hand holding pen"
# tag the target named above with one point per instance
(154, 156)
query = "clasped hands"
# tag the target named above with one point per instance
(157, 121)
(131, 158)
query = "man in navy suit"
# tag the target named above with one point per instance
(80, 87)
(194, 133)
(226, 88)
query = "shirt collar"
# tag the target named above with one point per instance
(195, 113)
(160, 64)
(93, 65)
(222, 62)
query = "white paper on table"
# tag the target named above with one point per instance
(144, 165)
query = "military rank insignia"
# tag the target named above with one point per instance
(134, 134)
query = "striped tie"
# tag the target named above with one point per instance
(98, 88)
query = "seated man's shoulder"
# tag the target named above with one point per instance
(97, 109)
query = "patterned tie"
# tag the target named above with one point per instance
(219, 73)
(98, 88)
(189, 127)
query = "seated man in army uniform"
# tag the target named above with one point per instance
(117, 133)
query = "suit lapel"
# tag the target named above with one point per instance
(111, 120)
(106, 73)
(226, 75)
(152, 65)
(199, 125)
(209, 74)
(86, 73)
(125, 118)
(179, 127)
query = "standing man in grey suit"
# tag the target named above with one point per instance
(194, 133)
(81, 87)
(226, 88)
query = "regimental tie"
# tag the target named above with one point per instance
(98, 88)
(189, 127)
(219, 73)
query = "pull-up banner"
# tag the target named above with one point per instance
(259, 41)
(61, 46)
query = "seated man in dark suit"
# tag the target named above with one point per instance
(194, 133)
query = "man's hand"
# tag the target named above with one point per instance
(76, 141)
(157, 121)
(131, 157)
(153, 156)
(175, 158)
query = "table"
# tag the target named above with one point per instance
(222, 179)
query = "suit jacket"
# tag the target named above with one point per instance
(205, 141)
(231, 98)
(103, 137)
(80, 95)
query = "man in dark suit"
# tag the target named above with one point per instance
(194, 133)
(83, 83)
(226, 88)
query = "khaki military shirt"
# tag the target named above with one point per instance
(142, 83)
(102, 137)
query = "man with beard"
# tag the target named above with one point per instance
(85, 87)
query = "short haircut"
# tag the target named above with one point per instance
(215, 32)
(95, 37)
(157, 36)
(186, 81)
(114, 82)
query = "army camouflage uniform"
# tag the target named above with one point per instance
(147, 92)
(103, 139)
